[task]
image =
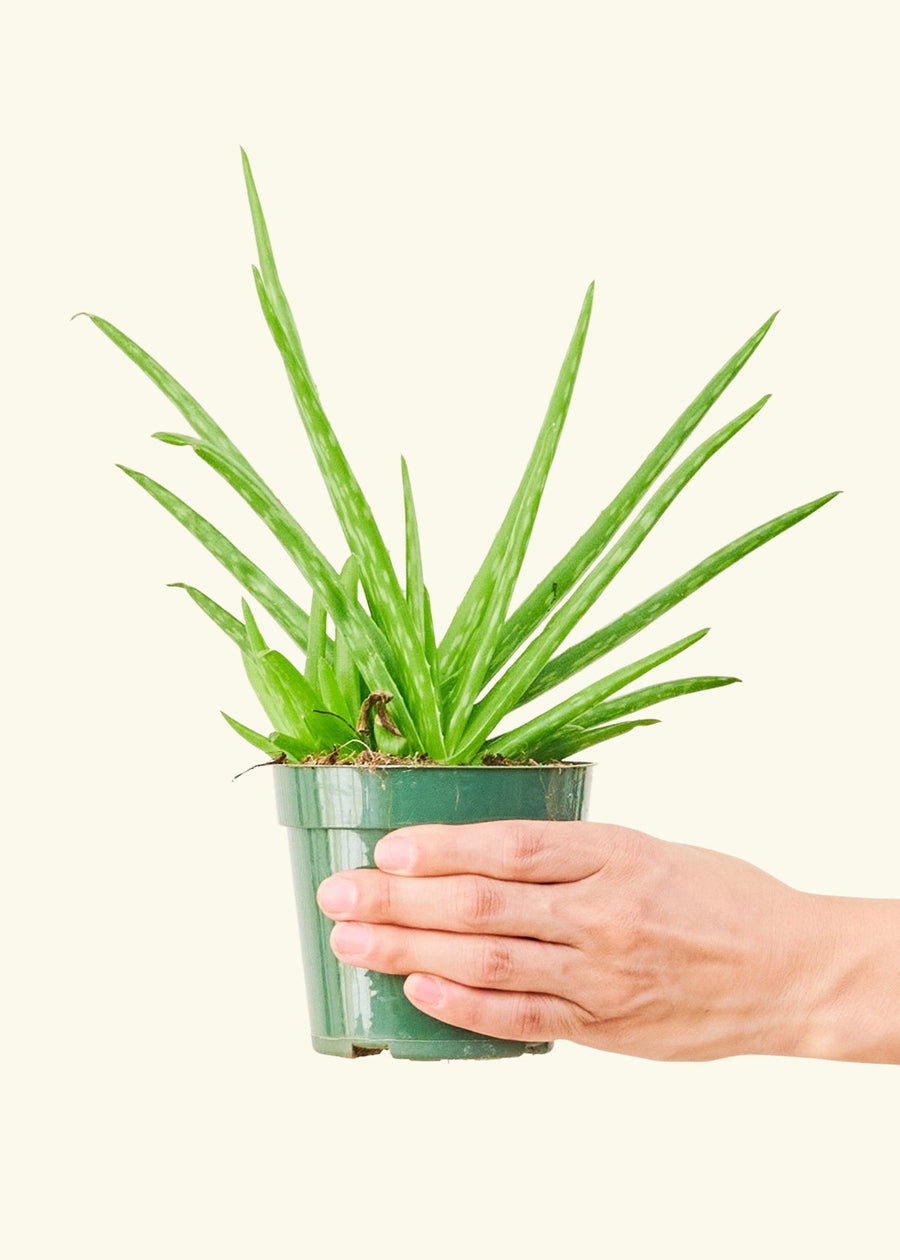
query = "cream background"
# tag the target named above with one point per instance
(441, 182)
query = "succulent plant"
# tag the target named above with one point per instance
(374, 673)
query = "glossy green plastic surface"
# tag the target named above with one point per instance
(335, 815)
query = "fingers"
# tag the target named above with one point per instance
(455, 903)
(485, 962)
(527, 851)
(514, 1016)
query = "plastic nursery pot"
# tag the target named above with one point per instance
(335, 815)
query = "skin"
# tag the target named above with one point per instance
(611, 938)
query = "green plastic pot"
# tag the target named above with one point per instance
(335, 815)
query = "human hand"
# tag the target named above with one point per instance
(605, 936)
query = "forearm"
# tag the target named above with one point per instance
(852, 983)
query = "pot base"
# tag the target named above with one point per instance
(348, 1048)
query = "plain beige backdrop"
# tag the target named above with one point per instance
(442, 181)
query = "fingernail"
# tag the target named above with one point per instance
(336, 895)
(425, 990)
(351, 938)
(394, 854)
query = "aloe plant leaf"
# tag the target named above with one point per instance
(174, 439)
(635, 619)
(533, 672)
(197, 416)
(270, 272)
(371, 648)
(359, 628)
(232, 626)
(431, 651)
(262, 742)
(255, 640)
(563, 576)
(543, 728)
(302, 706)
(316, 649)
(596, 735)
(466, 650)
(212, 437)
(345, 669)
(386, 603)
(280, 711)
(292, 619)
(415, 583)
(576, 735)
(332, 695)
(598, 579)
(565, 618)
(295, 748)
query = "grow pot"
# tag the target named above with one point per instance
(335, 815)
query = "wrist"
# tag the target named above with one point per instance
(844, 1001)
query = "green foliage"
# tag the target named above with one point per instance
(373, 671)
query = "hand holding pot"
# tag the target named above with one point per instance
(608, 937)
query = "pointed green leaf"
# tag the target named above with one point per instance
(346, 673)
(530, 674)
(255, 640)
(197, 417)
(386, 603)
(333, 697)
(467, 648)
(596, 735)
(629, 623)
(175, 439)
(568, 616)
(280, 710)
(370, 647)
(579, 734)
(295, 748)
(262, 742)
(270, 272)
(316, 650)
(431, 651)
(301, 705)
(560, 580)
(223, 619)
(292, 619)
(537, 732)
(415, 597)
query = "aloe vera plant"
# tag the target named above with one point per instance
(374, 673)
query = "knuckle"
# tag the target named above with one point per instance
(626, 927)
(493, 963)
(524, 844)
(384, 899)
(567, 909)
(480, 902)
(532, 1019)
(619, 930)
